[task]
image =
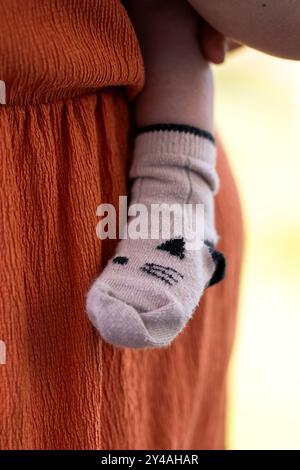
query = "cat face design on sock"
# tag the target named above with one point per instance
(175, 247)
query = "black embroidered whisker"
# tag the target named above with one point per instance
(162, 271)
(154, 273)
(159, 266)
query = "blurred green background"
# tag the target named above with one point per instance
(258, 117)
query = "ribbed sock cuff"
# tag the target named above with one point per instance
(175, 149)
(183, 128)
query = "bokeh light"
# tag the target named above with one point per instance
(258, 117)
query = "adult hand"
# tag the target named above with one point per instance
(214, 45)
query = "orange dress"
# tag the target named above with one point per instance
(70, 67)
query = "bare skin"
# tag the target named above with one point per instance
(174, 40)
(179, 83)
(271, 26)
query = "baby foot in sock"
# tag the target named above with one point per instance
(150, 289)
(148, 292)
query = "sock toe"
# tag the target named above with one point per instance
(164, 324)
(122, 325)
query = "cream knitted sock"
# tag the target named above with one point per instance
(150, 289)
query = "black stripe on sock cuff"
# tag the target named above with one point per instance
(179, 128)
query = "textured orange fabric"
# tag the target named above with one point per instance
(64, 150)
(55, 49)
